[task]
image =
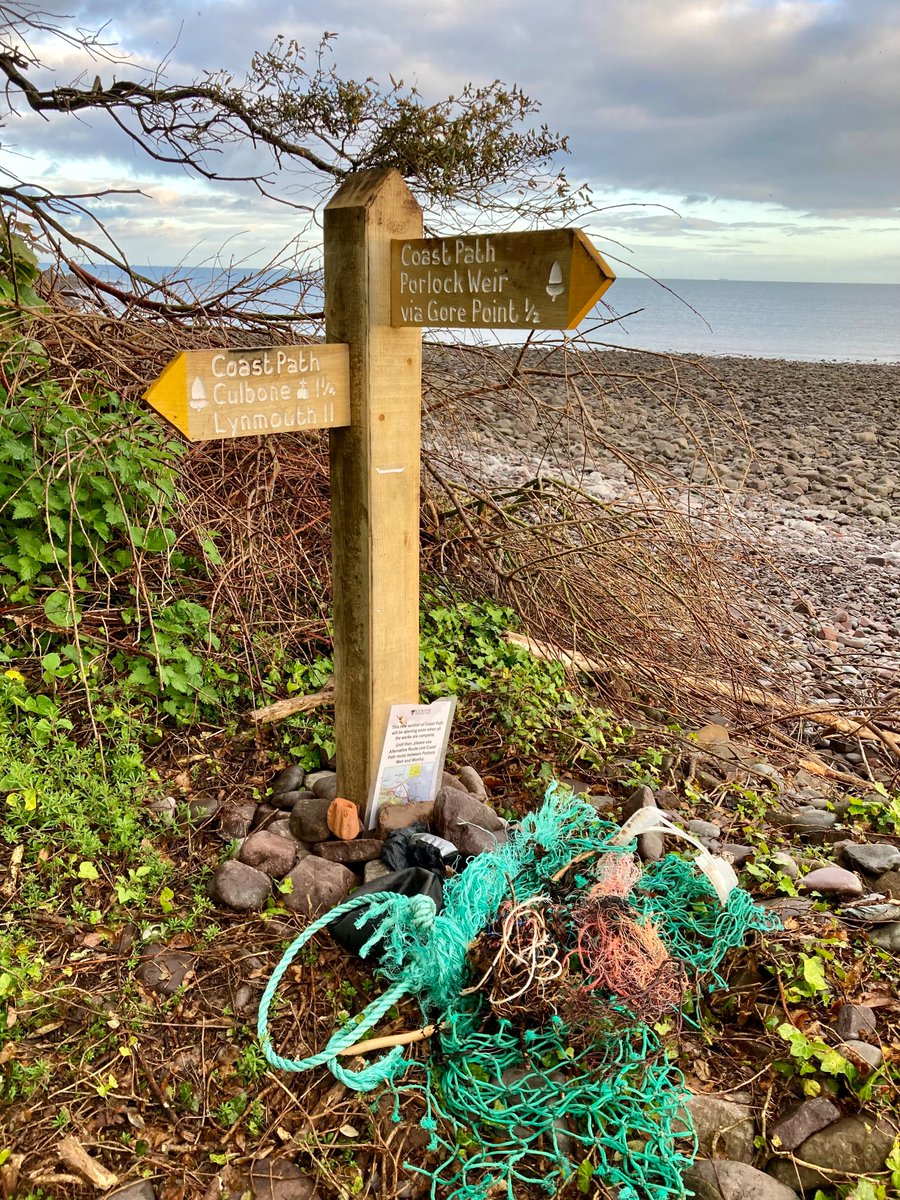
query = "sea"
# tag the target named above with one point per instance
(805, 322)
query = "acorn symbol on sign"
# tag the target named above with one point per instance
(555, 285)
(198, 394)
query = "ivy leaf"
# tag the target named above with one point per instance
(584, 1176)
(814, 973)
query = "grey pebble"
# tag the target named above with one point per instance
(874, 857)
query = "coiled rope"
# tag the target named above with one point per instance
(395, 915)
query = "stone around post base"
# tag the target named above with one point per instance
(468, 823)
(239, 886)
(309, 820)
(360, 850)
(473, 783)
(269, 853)
(399, 816)
(316, 885)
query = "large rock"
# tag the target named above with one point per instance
(832, 881)
(265, 814)
(360, 850)
(289, 780)
(808, 822)
(874, 858)
(724, 1180)
(852, 1146)
(142, 1190)
(802, 1121)
(309, 820)
(236, 818)
(651, 846)
(398, 816)
(785, 863)
(239, 886)
(704, 829)
(286, 800)
(887, 937)
(889, 884)
(282, 828)
(791, 908)
(270, 853)
(468, 823)
(854, 1019)
(317, 885)
(375, 870)
(864, 1057)
(724, 1129)
(323, 784)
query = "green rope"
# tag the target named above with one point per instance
(394, 912)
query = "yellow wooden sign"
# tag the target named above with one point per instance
(224, 393)
(546, 279)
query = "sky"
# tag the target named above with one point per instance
(742, 139)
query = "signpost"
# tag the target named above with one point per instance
(214, 394)
(383, 281)
(548, 279)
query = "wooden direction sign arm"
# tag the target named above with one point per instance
(374, 473)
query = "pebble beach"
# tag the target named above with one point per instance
(799, 461)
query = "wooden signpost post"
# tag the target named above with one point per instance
(383, 281)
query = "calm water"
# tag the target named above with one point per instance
(853, 322)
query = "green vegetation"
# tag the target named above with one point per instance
(122, 677)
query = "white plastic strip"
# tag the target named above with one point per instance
(650, 820)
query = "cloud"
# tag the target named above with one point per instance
(793, 101)
(786, 105)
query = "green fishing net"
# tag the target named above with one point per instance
(585, 1091)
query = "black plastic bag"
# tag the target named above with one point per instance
(414, 881)
(414, 846)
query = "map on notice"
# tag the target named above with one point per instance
(412, 758)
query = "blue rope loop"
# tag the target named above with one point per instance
(398, 919)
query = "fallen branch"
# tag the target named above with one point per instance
(389, 1040)
(294, 704)
(75, 1156)
(759, 697)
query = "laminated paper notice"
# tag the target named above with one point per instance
(412, 758)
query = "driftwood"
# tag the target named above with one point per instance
(858, 727)
(294, 704)
(389, 1040)
(74, 1155)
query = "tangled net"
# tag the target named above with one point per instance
(618, 954)
(553, 1065)
(526, 962)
